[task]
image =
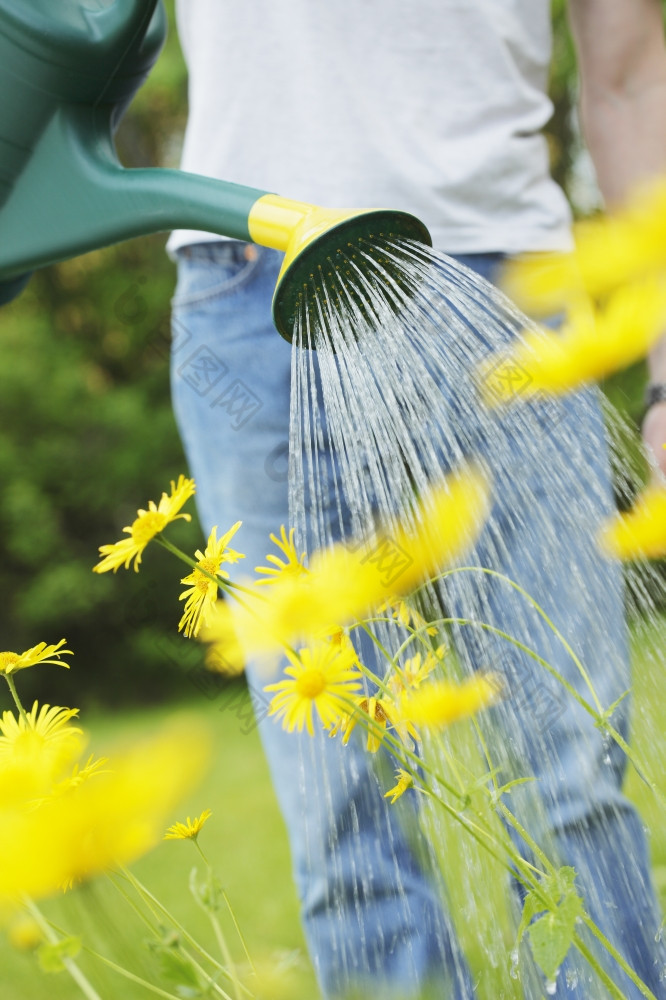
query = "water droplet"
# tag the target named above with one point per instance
(660, 933)
(572, 979)
(515, 960)
(607, 759)
(551, 986)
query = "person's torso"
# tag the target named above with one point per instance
(431, 106)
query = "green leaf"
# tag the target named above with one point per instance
(551, 935)
(52, 956)
(178, 971)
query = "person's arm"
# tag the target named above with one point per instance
(622, 62)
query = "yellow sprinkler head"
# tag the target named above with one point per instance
(328, 252)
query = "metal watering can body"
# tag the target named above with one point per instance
(68, 70)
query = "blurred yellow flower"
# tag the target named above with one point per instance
(439, 703)
(593, 343)
(41, 653)
(224, 653)
(343, 585)
(189, 830)
(202, 593)
(292, 564)
(36, 749)
(111, 819)
(641, 532)
(147, 524)
(321, 676)
(405, 781)
(24, 933)
(610, 251)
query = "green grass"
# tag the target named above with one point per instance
(246, 843)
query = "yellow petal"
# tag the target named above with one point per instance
(640, 533)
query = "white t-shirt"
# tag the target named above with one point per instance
(434, 107)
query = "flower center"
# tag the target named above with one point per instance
(147, 526)
(203, 582)
(311, 683)
(7, 661)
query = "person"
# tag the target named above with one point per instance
(434, 107)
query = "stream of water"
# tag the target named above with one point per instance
(385, 402)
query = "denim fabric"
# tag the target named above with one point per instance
(371, 905)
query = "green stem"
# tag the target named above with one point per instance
(614, 953)
(601, 721)
(238, 931)
(147, 895)
(79, 978)
(136, 979)
(158, 937)
(537, 607)
(217, 929)
(17, 700)
(222, 582)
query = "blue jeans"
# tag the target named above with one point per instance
(371, 908)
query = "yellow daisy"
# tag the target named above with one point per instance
(416, 669)
(202, 593)
(292, 564)
(41, 653)
(405, 781)
(321, 676)
(189, 830)
(641, 532)
(44, 741)
(147, 524)
(439, 703)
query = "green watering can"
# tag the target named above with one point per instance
(68, 70)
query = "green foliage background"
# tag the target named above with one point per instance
(87, 434)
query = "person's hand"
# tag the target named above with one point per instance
(654, 436)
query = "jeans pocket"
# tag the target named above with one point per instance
(209, 271)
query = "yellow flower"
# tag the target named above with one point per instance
(641, 532)
(416, 669)
(405, 781)
(41, 653)
(439, 703)
(380, 711)
(147, 524)
(293, 564)
(97, 824)
(610, 251)
(321, 676)
(37, 748)
(592, 344)
(24, 933)
(343, 586)
(80, 774)
(202, 594)
(189, 830)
